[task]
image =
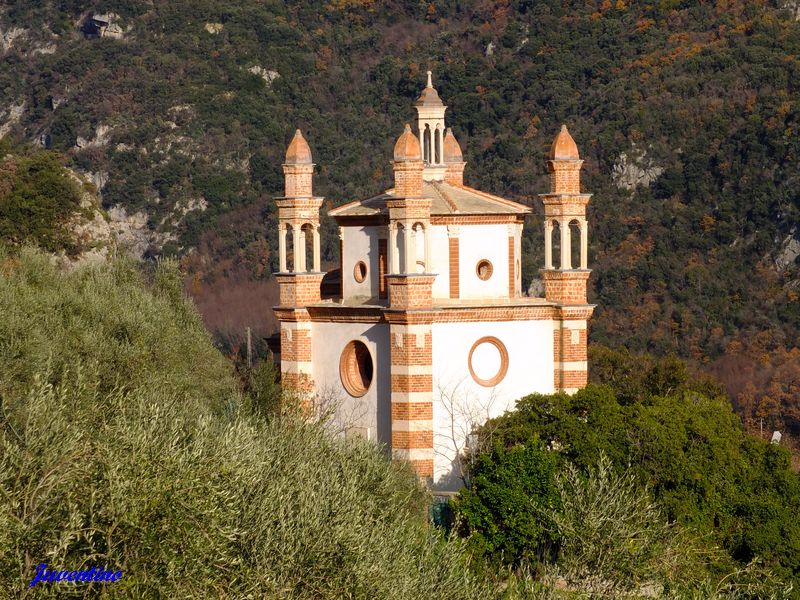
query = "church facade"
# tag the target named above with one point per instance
(430, 333)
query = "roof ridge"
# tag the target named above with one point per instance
(361, 202)
(445, 196)
(498, 199)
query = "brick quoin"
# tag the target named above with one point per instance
(423, 468)
(409, 353)
(404, 440)
(298, 381)
(298, 348)
(412, 411)
(412, 383)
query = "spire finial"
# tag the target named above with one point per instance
(298, 152)
(430, 83)
(564, 147)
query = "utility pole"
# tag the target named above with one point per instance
(249, 349)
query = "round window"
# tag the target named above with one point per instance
(360, 271)
(488, 361)
(356, 369)
(484, 269)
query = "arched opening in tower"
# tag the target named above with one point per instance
(419, 245)
(556, 245)
(308, 246)
(575, 243)
(401, 248)
(426, 144)
(289, 249)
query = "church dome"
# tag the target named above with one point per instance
(452, 151)
(298, 152)
(564, 147)
(429, 96)
(407, 146)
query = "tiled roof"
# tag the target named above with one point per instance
(446, 199)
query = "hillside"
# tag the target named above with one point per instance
(686, 113)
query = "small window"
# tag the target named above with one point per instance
(488, 361)
(484, 269)
(356, 368)
(360, 271)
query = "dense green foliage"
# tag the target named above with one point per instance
(505, 509)
(124, 442)
(38, 196)
(688, 448)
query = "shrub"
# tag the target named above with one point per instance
(37, 198)
(504, 511)
(125, 443)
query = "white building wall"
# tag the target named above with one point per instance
(373, 409)
(439, 256)
(360, 244)
(477, 242)
(460, 403)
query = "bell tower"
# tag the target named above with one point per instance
(409, 313)
(565, 216)
(299, 277)
(430, 123)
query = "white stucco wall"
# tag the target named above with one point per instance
(360, 244)
(373, 410)
(477, 242)
(440, 261)
(459, 403)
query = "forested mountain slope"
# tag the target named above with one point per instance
(686, 114)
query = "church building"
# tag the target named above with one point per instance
(430, 333)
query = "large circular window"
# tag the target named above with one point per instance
(484, 269)
(488, 361)
(360, 271)
(356, 369)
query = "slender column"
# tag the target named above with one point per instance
(315, 238)
(566, 260)
(548, 244)
(282, 249)
(428, 248)
(300, 250)
(584, 244)
(410, 250)
(393, 251)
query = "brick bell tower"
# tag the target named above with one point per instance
(409, 313)
(565, 213)
(299, 277)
